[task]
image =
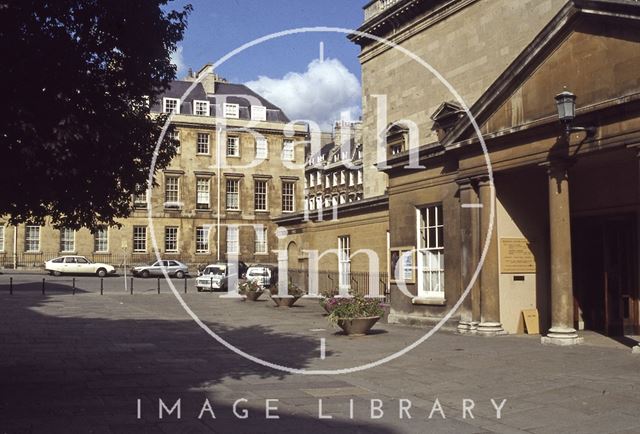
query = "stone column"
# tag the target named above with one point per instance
(468, 251)
(561, 331)
(490, 324)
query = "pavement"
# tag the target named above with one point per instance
(118, 363)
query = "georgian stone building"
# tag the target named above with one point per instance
(219, 195)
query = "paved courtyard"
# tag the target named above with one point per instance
(101, 363)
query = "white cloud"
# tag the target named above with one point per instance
(178, 60)
(321, 94)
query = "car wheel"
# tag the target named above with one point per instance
(199, 289)
(57, 273)
(145, 273)
(179, 274)
(101, 272)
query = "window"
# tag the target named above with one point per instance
(260, 195)
(319, 179)
(312, 179)
(258, 113)
(67, 240)
(140, 200)
(171, 105)
(233, 146)
(344, 262)
(343, 198)
(139, 238)
(231, 111)
(262, 149)
(171, 192)
(343, 179)
(287, 150)
(202, 193)
(101, 241)
(201, 108)
(327, 181)
(171, 239)
(174, 136)
(233, 194)
(202, 239)
(312, 204)
(288, 196)
(233, 246)
(32, 239)
(334, 175)
(1, 238)
(203, 143)
(430, 245)
(352, 179)
(261, 240)
(359, 176)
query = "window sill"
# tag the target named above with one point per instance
(261, 254)
(203, 209)
(429, 301)
(202, 154)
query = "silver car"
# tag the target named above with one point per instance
(173, 268)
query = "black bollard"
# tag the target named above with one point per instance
(158, 285)
(74, 285)
(101, 286)
(10, 285)
(43, 286)
(131, 286)
(185, 284)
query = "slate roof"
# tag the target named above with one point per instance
(235, 94)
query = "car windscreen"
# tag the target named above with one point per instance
(254, 272)
(214, 270)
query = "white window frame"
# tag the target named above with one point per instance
(138, 202)
(67, 244)
(139, 239)
(258, 113)
(201, 107)
(175, 189)
(261, 241)
(344, 262)
(430, 252)
(99, 241)
(288, 197)
(30, 239)
(203, 140)
(359, 176)
(229, 193)
(343, 178)
(202, 239)
(257, 194)
(233, 240)
(236, 146)
(2, 232)
(171, 235)
(262, 148)
(165, 100)
(319, 179)
(203, 195)
(288, 153)
(334, 177)
(175, 135)
(231, 111)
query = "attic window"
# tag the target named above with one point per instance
(201, 108)
(446, 117)
(231, 111)
(258, 113)
(396, 139)
(171, 105)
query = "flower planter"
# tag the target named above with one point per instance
(284, 301)
(252, 295)
(357, 326)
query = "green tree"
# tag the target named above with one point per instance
(76, 134)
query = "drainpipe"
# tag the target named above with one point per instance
(15, 247)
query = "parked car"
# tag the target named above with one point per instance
(214, 276)
(77, 265)
(242, 267)
(174, 268)
(265, 275)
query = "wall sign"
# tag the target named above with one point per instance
(516, 256)
(403, 264)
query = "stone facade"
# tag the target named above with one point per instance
(193, 198)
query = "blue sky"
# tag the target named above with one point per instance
(282, 69)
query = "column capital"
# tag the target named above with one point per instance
(464, 183)
(555, 164)
(484, 180)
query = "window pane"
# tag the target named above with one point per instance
(203, 143)
(233, 194)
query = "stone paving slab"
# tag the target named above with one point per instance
(80, 363)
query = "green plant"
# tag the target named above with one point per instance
(291, 290)
(249, 286)
(356, 307)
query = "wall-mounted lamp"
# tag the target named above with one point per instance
(566, 105)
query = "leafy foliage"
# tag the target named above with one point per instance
(355, 307)
(291, 290)
(77, 137)
(249, 286)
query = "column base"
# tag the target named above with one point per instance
(467, 327)
(636, 349)
(562, 336)
(490, 329)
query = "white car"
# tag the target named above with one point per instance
(264, 275)
(77, 265)
(214, 276)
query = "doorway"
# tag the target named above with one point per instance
(604, 253)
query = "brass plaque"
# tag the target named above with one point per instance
(516, 256)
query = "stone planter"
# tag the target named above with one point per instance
(252, 295)
(284, 301)
(357, 326)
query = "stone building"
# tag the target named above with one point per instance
(219, 194)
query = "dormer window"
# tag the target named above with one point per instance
(231, 111)
(201, 108)
(446, 117)
(397, 137)
(171, 105)
(258, 113)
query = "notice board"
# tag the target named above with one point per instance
(516, 256)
